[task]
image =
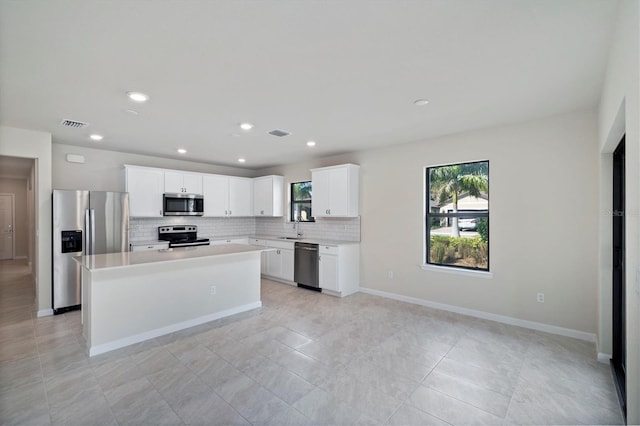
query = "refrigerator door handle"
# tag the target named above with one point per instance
(92, 215)
(87, 232)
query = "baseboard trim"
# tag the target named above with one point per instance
(121, 343)
(45, 313)
(576, 334)
(604, 358)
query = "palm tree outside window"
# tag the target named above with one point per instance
(301, 202)
(457, 219)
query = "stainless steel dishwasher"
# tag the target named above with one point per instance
(305, 268)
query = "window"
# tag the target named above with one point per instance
(301, 202)
(457, 219)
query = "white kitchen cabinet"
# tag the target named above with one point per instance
(145, 186)
(240, 196)
(179, 182)
(268, 196)
(226, 196)
(278, 262)
(150, 246)
(336, 191)
(328, 269)
(229, 241)
(339, 269)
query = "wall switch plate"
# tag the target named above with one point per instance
(541, 297)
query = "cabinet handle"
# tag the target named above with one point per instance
(278, 251)
(229, 212)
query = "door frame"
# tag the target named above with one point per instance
(13, 223)
(618, 276)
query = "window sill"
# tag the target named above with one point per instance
(457, 271)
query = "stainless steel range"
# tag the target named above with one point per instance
(181, 236)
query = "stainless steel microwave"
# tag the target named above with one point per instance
(183, 204)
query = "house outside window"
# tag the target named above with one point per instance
(457, 215)
(301, 202)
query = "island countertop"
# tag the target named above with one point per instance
(128, 258)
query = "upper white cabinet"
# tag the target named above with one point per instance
(240, 196)
(226, 196)
(189, 183)
(267, 196)
(145, 186)
(336, 191)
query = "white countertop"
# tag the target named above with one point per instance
(128, 258)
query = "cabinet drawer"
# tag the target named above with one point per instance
(148, 247)
(329, 250)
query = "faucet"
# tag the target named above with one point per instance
(297, 227)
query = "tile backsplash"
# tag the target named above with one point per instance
(146, 229)
(346, 229)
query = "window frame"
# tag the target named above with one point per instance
(294, 202)
(465, 214)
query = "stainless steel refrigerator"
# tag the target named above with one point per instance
(84, 223)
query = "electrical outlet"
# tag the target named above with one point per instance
(213, 290)
(541, 297)
(390, 275)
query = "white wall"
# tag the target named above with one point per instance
(18, 187)
(32, 144)
(619, 114)
(544, 213)
(103, 171)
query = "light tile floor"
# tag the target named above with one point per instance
(303, 359)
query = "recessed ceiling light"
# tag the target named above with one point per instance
(96, 137)
(182, 151)
(311, 143)
(246, 126)
(420, 102)
(137, 96)
(241, 160)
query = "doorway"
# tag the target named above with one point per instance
(618, 356)
(7, 225)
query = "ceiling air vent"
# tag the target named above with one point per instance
(279, 133)
(74, 124)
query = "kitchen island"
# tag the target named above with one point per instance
(130, 297)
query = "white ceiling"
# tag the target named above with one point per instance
(342, 73)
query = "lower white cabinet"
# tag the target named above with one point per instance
(339, 269)
(149, 246)
(278, 262)
(229, 241)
